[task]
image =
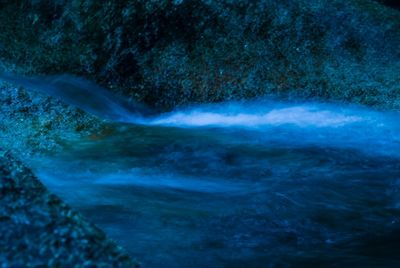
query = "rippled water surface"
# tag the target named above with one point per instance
(256, 184)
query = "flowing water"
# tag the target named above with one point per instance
(255, 184)
(251, 184)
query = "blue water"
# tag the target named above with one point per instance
(80, 93)
(250, 184)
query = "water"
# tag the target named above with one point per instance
(254, 184)
(80, 93)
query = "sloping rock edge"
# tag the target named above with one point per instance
(39, 230)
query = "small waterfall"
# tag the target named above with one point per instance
(81, 93)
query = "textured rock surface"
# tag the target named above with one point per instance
(39, 230)
(32, 123)
(167, 53)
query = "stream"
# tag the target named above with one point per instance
(246, 184)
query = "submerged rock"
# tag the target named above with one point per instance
(37, 229)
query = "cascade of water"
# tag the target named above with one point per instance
(81, 93)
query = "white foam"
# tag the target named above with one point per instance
(297, 115)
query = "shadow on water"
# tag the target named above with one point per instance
(256, 184)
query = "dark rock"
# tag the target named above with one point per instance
(32, 123)
(168, 53)
(39, 230)
(391, 3)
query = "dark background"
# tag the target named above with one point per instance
(391, 3)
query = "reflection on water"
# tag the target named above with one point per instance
(242, 185)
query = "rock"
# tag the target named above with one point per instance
(33, 123)
(38, 229)
(169, 53)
